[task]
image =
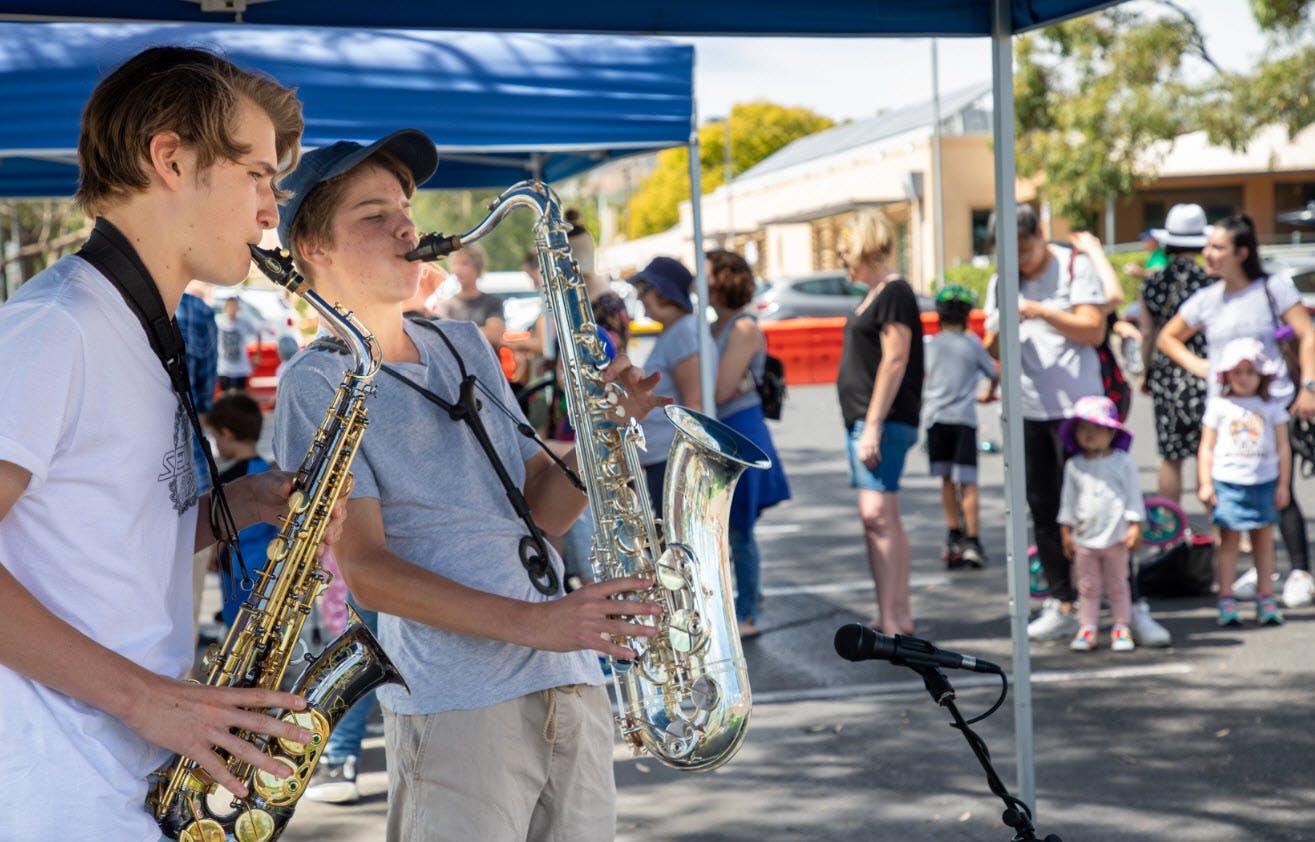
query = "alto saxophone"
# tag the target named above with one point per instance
(184, 800)
(684, 698)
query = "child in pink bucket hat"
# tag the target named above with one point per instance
(1100, 516)
(1244, 467)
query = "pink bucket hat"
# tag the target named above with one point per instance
(1098, 410)
(1245, 349)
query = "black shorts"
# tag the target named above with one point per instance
(952, 451)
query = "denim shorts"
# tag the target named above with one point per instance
(896, 439)
(1242, 508)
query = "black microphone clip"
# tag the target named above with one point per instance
(860, 643)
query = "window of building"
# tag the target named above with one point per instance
(981, 231)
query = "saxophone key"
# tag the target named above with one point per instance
(254, 826)
(206, 830)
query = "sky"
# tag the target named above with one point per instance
(846, 78)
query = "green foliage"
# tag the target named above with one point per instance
(458, 211)
(1094, 94)
(46, 230)
(757, 129)
(973, 277)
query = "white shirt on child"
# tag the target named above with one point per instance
(1100, 499)
(1246, 449)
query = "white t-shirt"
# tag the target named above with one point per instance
(1246, 448)
(1056, 372)
(1223, 317)
(102, 536)
(677, 343)
(1100, 499)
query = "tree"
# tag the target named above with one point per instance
(757, 130)
(458, 211)
(34, 234)
(1093, 96)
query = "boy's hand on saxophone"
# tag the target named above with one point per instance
(638, 399)
(264, 499)
(193, 720)
(592, 618)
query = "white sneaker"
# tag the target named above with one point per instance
(1299, 589)
(1145, 631)
(1244, 586)
(1052, 623)
(334, 783)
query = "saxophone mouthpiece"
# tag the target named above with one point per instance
(432, 247)
(277, 266)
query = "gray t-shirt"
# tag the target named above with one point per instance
(443, 510)
(757, 363)
(677, 342)
(955, 363)
(1223, 317)
(479, 309)
(1056, 372)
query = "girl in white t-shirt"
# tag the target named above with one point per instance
(1100, 516)
(1245, 463)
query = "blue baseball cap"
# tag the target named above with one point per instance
(410, 146)
(669, 277)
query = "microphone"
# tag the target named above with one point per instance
(860, 643)
(432, 247)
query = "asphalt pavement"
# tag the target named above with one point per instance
(1208, 740)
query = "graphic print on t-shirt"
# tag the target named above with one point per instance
(1247, 433)
(176, 465)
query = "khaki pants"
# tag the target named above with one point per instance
(533, 769)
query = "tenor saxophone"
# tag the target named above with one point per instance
(188, 805)
(684, 698)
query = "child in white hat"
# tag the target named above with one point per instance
(1244, 465)
(1100, 516)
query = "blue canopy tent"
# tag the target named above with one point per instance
(998, 19)
(500, 108)
(762, 17)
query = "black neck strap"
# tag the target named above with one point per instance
(115, 258)
(533, 550)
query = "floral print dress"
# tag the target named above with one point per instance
(1178, 395)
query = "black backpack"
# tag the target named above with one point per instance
(771, 387)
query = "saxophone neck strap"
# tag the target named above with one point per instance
(533, 548)
(109, 251)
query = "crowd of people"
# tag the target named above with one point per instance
(504, 729)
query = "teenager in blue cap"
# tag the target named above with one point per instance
(506, 733)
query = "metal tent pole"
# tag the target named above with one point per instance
(707, 359)
(1006, 254)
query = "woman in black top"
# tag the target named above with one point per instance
(880, 387)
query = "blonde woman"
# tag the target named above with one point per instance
(880, 388)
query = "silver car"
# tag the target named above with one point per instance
(819, 295)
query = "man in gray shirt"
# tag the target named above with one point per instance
(1060, 324)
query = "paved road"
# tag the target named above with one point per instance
(1209, 740)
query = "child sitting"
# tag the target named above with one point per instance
(955, 362)
(1100, 515)
(1244, 464)
(234, 423)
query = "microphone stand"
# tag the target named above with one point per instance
(1016, 816)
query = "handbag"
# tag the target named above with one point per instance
(1187, 568)
(1301, 434)
(771, 387)
(1112, 382)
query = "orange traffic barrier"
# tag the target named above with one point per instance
(809, 348)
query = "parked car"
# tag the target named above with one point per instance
(266, 308)
(819, 295)
(1301, 268)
